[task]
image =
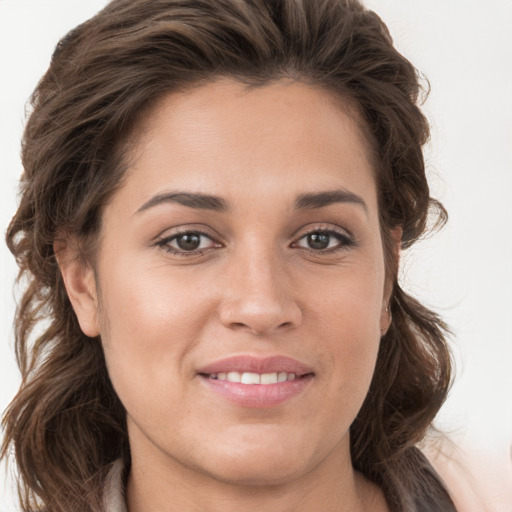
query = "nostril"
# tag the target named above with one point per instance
(238, 325)
(259, 314)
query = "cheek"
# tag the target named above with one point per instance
(348, 320)
(149, 328)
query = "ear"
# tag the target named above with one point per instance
(78, 277)
(391, 272)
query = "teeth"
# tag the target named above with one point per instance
(234, 377)
(254, 378)
(269, 378)
(250, 378)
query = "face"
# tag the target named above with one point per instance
(241, 284)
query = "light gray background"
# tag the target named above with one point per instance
(464, 47)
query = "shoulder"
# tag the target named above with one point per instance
(477, 480)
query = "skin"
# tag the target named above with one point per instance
(255, 287)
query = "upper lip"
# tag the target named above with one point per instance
(247, 363)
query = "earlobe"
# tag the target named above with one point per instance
(80, 284)
(385, 320)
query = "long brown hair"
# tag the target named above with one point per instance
(66, 424)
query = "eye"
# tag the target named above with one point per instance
(324, 240)
(187, 242)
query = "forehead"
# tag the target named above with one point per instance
(225, 134)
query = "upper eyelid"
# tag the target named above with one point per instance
(323, 228)
(171, 233)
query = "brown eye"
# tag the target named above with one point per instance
(324, 241)
(318, 241)
(188, 241)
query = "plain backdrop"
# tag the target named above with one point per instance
(464, 47)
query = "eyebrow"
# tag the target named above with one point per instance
(306, 201)
(197, 201)
(323, 199)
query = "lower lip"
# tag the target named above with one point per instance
(258, 396)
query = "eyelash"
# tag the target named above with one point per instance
(345, 242)
(164, 242)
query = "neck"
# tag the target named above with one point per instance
(166, 485)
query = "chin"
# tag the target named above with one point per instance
(259, 462)
(263, 472)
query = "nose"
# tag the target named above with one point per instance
(258, 295)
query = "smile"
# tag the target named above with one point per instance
(255, 382)
(254, 378)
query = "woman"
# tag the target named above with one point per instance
(214, 200)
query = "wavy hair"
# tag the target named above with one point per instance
(66, 425)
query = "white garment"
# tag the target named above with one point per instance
(113, 494)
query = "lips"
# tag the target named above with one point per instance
(257, 382)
